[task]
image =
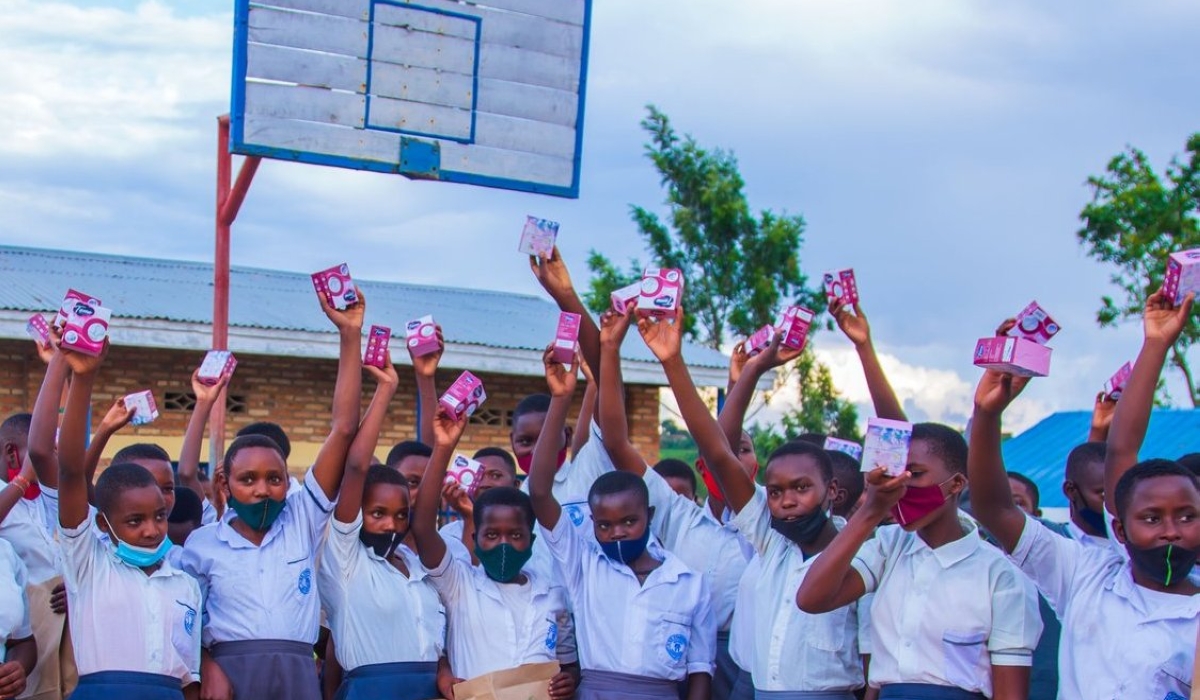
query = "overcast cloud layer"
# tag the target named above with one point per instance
(937, 146)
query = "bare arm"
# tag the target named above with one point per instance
(614, 423)
(1010, 682)
(991, 496)
(1102, 415)
(45, 421)
(556, 280)
(358, 459)
(857, 329)
(699, 686)
(21, 657)
(347, 396)
(430, 545)
(10, 495)
(117, 417)
(425, 372)
(1163, 323)
(72, 469)
(207, 396)
(733, 415)
(561, 381)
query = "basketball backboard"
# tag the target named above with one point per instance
(483, 92)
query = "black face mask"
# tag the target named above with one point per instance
(1092, 518)
(383, 542)
(802, 530)
(1166, 564)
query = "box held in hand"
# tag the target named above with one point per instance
(841, 286)
(1115, 385)
(538, 237)
(1033, 323)
(465, 472)
(144, 408)
(1183, 275)
(464, 396)
(626, 297)
(794, 324)
(38, 329)
(336, 286)
(421, 337)
(566, 338)
(216, 364)
(86, 329)
(662, 291)
(1018, 356)
(378, 339)
(886, 445)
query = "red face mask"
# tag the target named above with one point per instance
(30, 493)
(526, 461)
(919, 501)
(710, 481)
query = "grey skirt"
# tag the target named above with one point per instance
(269, 668)
(608, 685)
(803, 695)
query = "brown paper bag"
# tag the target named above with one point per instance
(527, 682)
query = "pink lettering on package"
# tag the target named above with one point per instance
(70, 302)
(1018, 356)
(1115, 386)
(841, 286)
(566, 338)
(336, 286)
(1033, 323)
(464, 396)
(86, 328)
(1183, 275)
(661, 293)
(376, 354)
(794, 324)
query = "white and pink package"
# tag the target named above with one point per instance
(849, 447)
(1183, 275)
(336, 286)
(626, 297)
(841, 286)
(1033, 323)
(538, 237)
(86, 328)
(566, 338)
(145, 410)
(1018, 356)
(662, 290)
(760, 340)
(464, 396)
(465, 472)
(72, 300)
(793, 324)
(1115, 386)
(216, 364)
(378, 339)
(421, 336)
(886, 445)
(38, 329)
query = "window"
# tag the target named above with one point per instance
(186, 401)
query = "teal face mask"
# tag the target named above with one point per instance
(503, 562)
(141, 557)
(259, 516)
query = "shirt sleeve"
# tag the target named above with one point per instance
(343, 545)
(24, 627)
(871, 560)
(78, 545)
(568, 547)
(1016, 622)
(314, 507)
(590, 464)
(702, 652)
(753, 521)
(672, 519)
(1053, 562)
(208, 512)
(865, 643)
(447, 577)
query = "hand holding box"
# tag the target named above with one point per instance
(1018, 356)
(144, 408)
(464, 396)
(1183, 275)
(378, 339)
(538, 237)
(886, 445)
(70, 302)
(336, 286)
(841, 286)
(794, 324)
(1116, 384)
(465, 472)
(86, 328)
(1033, 323)
(216, 364)
(661, 293)
(38, 329)
(626, 297)
(421, 337)
(760, 340)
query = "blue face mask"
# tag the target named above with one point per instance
(141, 557)
(626, 551)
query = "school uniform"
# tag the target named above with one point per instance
(14, 604)
(1119, 640)
(495, 626)
(262, 608)
(712, 550)
(741, 630)
(941, 618)
(575, 478)
(136, 636)
(388, 629)
(31, 528)
(795, 654)
(636, 640)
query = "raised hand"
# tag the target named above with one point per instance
(663, 336)
(447, 430)
(853, 325)
(385, 376)
(560, 379)
(884, 492)
(1162, 320)
(208, 393)
(1102, 415)
(117, 417)
(614, 326)
(456, 496)
(737, 362)
(774, 355)
(997, 390)
(350, 320)
(426, 365)
(84, 365)
(552, 274)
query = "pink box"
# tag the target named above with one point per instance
(70, 302)
(38, 329)
(465, 472)
(1114, 387)
(145, 408)
(336, 285)
(841, 286)
(566, 339)
(1033, 323)
(421, 336)
(86, 328)
(886, 445)
(794, 323)
(216, 364)
(849, 447)
(626, 297)
(464, 396)
(538, 237)
(1013, 355)
(760, 340)
(662, 290)
(376, 354)
(1183, 275)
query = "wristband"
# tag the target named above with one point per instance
(20, 482)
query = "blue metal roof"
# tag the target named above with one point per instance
(35, 279)
(1040, 453)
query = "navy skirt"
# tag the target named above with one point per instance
(922, 691)
(269, 668)
(398, 681)
(127, 685)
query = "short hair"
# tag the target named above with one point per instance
(1029, 484)
(1083, 455)
(1191, 462)
(611, 483)
(534, 403)
(188, 507)
(408, 448)
(118, 479)
(243, 442)
(379, 474)
(141, 450)
(15, 428)
(503, 496)
(1144, 471)
(676, 469)
(273, 431)
(805, 449)
(811, 438)
(848, 472)
(500, 453)
(945, 443)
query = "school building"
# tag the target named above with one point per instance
(287, 349)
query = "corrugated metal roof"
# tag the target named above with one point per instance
(35, 279)
(1040, 453)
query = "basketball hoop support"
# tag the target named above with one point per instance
(229, 200)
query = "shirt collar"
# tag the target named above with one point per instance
(1082, 537)
(234, 539)
(1122, 585)
(951, 553)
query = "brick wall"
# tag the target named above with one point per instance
(293, 392)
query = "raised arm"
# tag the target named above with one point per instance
(358, 459)
(552, 273)
(1102, 415)
(665, 340)
(1163, 322)
(117, 417)
(347, 395)
(425, 372)
(587, 410)
(11, 494)
(752, 369)
(991, 497)
(41, 447)
(561, 382)
(447, 431)
(72, 469)
(856, 328)
(207, 396)
(614, 423)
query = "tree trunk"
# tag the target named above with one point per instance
(1179, 359)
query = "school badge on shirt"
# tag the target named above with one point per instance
(552, 636)
(305, 581)
(676, 646)
(575, 513)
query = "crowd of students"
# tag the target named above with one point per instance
(800, 578)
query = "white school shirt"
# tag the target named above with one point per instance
(30, 527)
(377, 614)
(264, 592)
(14, 602)
(573, 481)
(794, 650)
(944, 616)
(123, 620)
(482, 635)
(1119, 640)
(663, 628)
(700, 542)
(741, 628)
(208, 512)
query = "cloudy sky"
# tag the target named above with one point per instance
(937, 146)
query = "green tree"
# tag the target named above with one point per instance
(1135, 220)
